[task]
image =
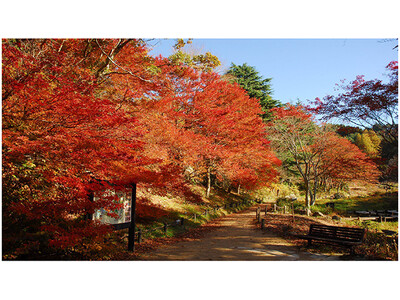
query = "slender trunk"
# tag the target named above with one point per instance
(208, 182)
(307, 199)
(312, 199)
(239, 189)
(132, 226)
(315, 190)
(314, 193)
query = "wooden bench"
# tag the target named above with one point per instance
(345, 236)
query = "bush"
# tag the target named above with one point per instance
(282, 201)
(280, 190)
(379, 246)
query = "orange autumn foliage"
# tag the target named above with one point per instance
(82, 116)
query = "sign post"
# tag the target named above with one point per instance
(131, 235)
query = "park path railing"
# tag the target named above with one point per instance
(378, 216)
(272, 208)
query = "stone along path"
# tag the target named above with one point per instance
(236, 238)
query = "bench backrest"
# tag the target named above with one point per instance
(337, 233)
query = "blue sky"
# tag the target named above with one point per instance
(300, 68)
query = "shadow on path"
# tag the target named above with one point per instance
(235, 239)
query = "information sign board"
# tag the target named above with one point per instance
(124, 214)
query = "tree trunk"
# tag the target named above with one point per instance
(312, 198)
(307, 199)
(315, 192)
(239, 189)
(208, 182)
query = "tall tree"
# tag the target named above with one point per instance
(227, 133)
(342, 162)
(317, 152)
(257, 87)
(71, 117)
(60, 134)
(292, 132)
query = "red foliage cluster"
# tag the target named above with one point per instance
(341, 160)
(318, 154)
(82, 116)
(365, 103)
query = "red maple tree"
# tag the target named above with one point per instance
(82, 116)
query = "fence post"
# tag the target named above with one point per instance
(263, 224)
(292, 212)
(258, 214)
(285, 209)
(139, 236)
(274, 207)
(165, 227)
(195, 217)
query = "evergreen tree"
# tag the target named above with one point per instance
(257, 87)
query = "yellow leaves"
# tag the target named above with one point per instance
(369, 142)
(180, 43)
(205, 62)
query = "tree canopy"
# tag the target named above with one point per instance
(365, 104)
(317, 153)
(81, 116)
(256, 86)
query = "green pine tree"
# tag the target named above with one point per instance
(257, 87)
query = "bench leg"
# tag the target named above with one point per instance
(352, 252)
(309, 242)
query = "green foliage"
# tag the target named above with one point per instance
(257, 87)
(282, 201)
(372, 202)
(276, 191)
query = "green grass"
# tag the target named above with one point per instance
(373, 225)
(372, 202)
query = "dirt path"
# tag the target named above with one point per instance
(237, 238)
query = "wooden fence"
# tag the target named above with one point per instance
(380, 216)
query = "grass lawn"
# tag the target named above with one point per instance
(372, 202)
